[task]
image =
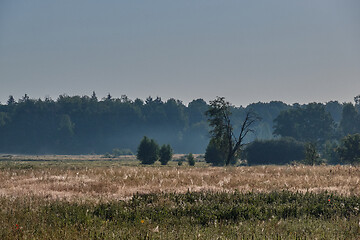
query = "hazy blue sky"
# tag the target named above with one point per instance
(248, 51)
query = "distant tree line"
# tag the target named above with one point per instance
(311, 134)
(86, 124)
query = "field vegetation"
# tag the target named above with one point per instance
(91, 197)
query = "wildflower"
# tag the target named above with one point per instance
(17, 227)
(329, 200)
(142, 220)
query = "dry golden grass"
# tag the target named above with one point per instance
(111, 182)
(22, 157)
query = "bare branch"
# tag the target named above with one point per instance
(222, 132)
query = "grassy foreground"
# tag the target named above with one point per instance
(204, 215)
(89, 197)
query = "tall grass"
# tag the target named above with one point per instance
(103, 199)
(203, 215)
(93, 179)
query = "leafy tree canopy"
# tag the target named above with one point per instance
(349, 149)
(350, 122)
(166, 154)
(148, 151)
(309, 124)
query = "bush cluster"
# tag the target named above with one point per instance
(190, 159)
(149, 152)
(280, 151)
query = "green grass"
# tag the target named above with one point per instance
(204, 215)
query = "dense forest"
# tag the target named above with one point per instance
(87, 125)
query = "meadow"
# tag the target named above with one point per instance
(91, 197)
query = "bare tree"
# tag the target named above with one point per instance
(223, 134)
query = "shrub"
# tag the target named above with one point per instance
(349, 149)
(180, 162)
(148, 151)
(330, 152)
(312, 157)
(214, 155)
(190, 159)
(280, 151)
(166, 154)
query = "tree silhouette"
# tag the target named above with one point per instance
(222, 133)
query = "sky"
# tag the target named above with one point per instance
(247, 51)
